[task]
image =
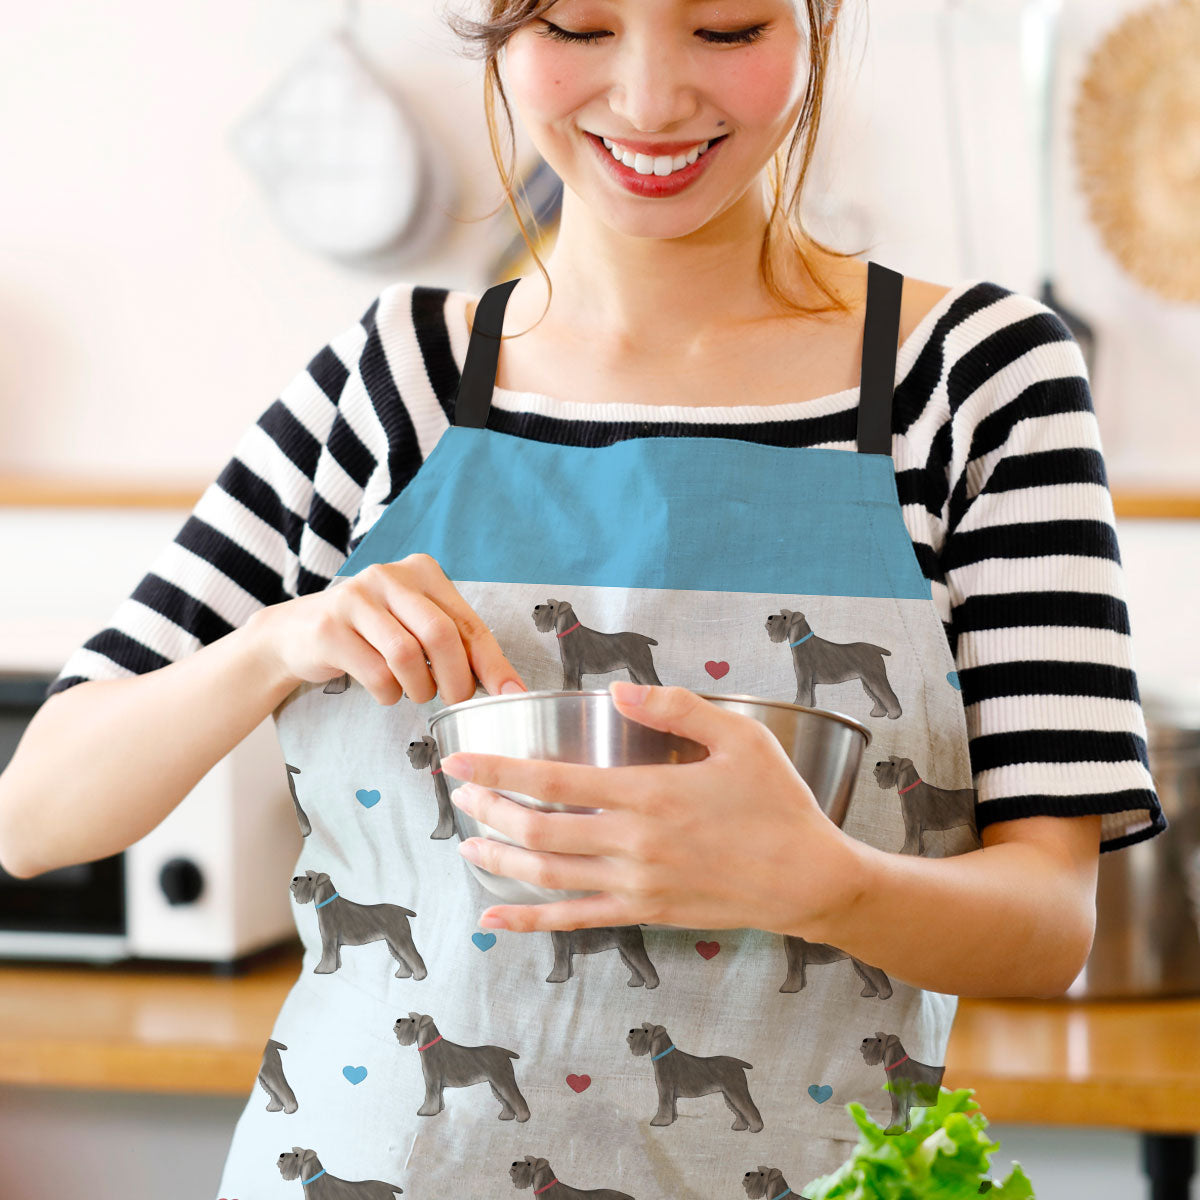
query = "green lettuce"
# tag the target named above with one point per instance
(944, 1156)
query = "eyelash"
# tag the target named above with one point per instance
(741, 37)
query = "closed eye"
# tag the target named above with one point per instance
(738, 37)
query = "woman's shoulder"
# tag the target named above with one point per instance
(421, 327)
(979, 303)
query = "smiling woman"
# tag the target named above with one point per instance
(730, 460)
(763, 65)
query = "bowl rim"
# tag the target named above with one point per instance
(476, 701)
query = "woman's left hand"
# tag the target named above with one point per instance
(735, 840)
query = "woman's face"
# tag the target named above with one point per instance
(665, 72)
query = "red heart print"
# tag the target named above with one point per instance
(716, 669)
(708, 949)
(579, 1083)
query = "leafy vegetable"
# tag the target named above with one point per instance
(944, 1156)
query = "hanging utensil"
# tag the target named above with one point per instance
(1039, 59)
(1136, 136)
(956, 150)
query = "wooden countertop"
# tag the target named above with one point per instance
(181, 1028)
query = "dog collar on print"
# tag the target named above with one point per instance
(896, 1063)
(428, 1044)
(322, 905)
(907, 789)
(539, 1191)
(803, 639)
(306, 1182)
(785, 1192)
(566, 631)
(656, 1057)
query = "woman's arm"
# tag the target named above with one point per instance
(1015, 918)
(147, 706)
(102, 763)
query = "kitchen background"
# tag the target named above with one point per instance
(155, 294)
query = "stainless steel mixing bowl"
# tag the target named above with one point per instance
(586, 727)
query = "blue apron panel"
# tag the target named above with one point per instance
(695, 513)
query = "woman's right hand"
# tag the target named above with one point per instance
(381, 626)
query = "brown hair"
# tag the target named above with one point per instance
(505, 17)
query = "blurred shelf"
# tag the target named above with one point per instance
(45, 491)
(48, 491)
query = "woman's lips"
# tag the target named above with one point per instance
(655, 185)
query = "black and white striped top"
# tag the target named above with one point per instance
(998, 467)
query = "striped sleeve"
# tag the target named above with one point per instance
(1040, 629)
(275, 523)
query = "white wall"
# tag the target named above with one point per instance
(151, 307)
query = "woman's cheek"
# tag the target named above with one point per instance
(760, 90)
(545, 80)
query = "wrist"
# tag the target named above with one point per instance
(847, 869)
(258, 635)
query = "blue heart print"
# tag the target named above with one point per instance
(820, 1092)
(355, 1074)
(367, 799)
(485, 941)
(952, 679)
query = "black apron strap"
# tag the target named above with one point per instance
(473, 398)
(881, 332)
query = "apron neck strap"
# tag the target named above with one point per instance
(881, 332)
(474, 396)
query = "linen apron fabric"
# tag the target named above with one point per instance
(419, 1053)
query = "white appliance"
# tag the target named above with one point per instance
(208, 884)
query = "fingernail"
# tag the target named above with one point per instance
(510, 685)
(490, 922)
(631, 693)
(458, 766)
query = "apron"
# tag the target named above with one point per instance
(419, 1054)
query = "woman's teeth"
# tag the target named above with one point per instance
(647, 164)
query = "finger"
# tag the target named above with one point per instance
(362, 661)
(578, 784)
(572, 872)
(583, 912)
(483, 653)
(398, 648)
(439, 640)
(676, 709)
(535, 829)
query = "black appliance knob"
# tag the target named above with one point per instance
(181, 880)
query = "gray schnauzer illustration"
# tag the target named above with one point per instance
(447, 1064)
(923, 805)
(625, 939)
(536, 1173)
(318, 1184)
(801, 952)
(342, 922)
(337, 685)
(677, 1073)
(301, 815)
(766, 1183)
(912, 1084)
(585, 651)
(816, 660)
(424, 753)
(273, 1080)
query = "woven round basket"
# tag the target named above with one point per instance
(1137, 145)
